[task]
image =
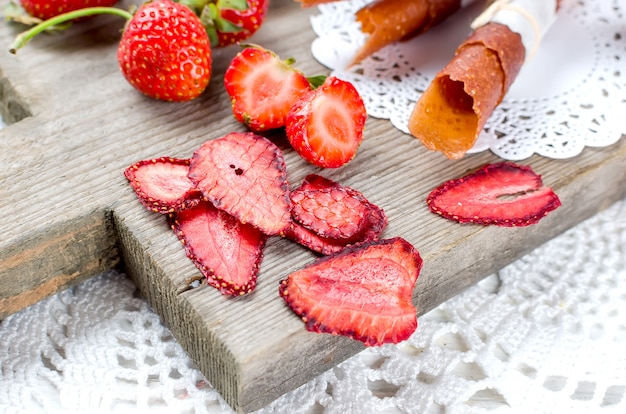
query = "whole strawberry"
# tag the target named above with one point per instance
(44, 10)
(165, 52)
(229, 21)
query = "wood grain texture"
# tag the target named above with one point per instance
(68, 212)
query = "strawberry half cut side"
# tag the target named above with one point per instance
(325, 126)
(262, 88)
(162, 185)
(503, 194)
(363, 292)
(227, 252)
(245, 175)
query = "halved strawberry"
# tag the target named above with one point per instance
(325, 126)
(162, 185)
(363, 292)
(503, 194)
(244, 174)
(227, 252)
(262, 88)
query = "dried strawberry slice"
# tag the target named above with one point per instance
(317, 182)
(503, 194)
(363, 292)
(335, 212)
(377, 221)
(318, 235)
(244, 174)
(162, 185)
(313, 241)
(227, 252)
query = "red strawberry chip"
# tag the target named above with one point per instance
(244, 174)
(162, 185)
(328, 233)
(363, 292)
(334, 212)
(317, 182)
(313, 241)
(227, 252)
(503, 194)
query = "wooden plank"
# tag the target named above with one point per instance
(68, 212)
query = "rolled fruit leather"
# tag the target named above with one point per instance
(389, 21)
(450, 115)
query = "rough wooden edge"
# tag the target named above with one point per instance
(37, 266)
(12, 107)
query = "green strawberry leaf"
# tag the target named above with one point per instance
(316, 81)
(232, 4)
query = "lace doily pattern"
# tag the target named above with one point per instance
(568, 96)
(544, 335)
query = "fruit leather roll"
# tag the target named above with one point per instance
(389, 21)
(451, 113)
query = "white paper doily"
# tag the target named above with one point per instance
(569, 95)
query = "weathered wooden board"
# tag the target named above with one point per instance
(68, 213)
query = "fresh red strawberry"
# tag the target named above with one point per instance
(262, 88)
(226, 251)
(503, 194)
(363, 292)
(229, 21)
(318, 237)
(165, 52)
(162, 185)
(245, 175)
(325, 126)
(47, 9)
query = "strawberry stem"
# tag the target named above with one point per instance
(23, 38)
